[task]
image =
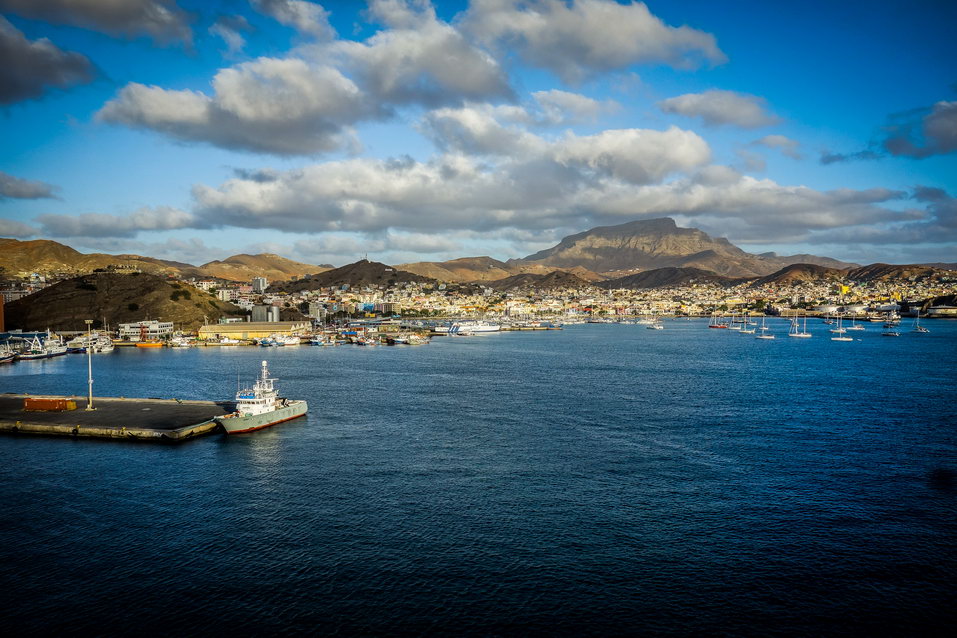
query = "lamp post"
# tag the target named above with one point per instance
(89, 364)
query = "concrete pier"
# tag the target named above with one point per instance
(115, 418)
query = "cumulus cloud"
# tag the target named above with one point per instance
(18, 188)
(428, 62)
(561, 107)
(307, 18)
(580, 39)
(162, 20)
(786, 145)
(476, 129)
(718, 107)
(30, 68)
(279, 106)
(635, 156)
(19, 230)
(102, 225)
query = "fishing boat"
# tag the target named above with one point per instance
(260, 407)
(37, 349)
(7, 356)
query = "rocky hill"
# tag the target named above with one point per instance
(801, 273)
(658, 243)
(667, 277)
(555, 280)
(482, 269)
(115, 298)
(245, 267)
(891, 272)
(360, 273)
(20, 258)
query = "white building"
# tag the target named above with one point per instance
(259, 285)
(145, 330)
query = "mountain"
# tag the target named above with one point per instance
(656, 243)
(360, 273)
(555, 280)
(891, 272)
(245, 267)
(482, 269)
(20, 258)
(667, 277)
(801, 273)
(115, 298)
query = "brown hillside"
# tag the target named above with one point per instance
(360, 273)
(246, 267)
(890, 272)
(801, 273)
(115, 299)
(667, 277)
(555, 280)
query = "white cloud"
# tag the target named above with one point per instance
(162, 20)
(582, 38)
(475, 129)
(307, 18)
(721, 107)
(285, 107)
(561, 107)
(230, 29)
(429, 63)
(103, 225)
(19, 188)
(30, 68)
(12, 228)
(786, 145)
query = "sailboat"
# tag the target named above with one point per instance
(855, 326)
(745, 330)
(917, 327)
(841, 333)
(840, 329)
(794, 332)
(764, 329)
(716, 322)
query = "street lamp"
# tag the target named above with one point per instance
(89, 364)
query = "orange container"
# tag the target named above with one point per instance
(48, 404)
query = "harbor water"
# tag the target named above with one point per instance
(599, 480)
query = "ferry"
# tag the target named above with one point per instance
(260, 406)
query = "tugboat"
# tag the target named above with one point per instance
(260, 406)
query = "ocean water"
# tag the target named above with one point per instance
(600, 480)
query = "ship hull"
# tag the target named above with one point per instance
(240, 424)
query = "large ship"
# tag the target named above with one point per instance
(260, 406)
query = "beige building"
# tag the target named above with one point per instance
(252, 329)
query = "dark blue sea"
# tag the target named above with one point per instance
(600, 480)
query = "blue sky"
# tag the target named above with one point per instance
(416, 131)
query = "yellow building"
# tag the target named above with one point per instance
(252, 329)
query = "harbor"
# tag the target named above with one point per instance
(169, 420)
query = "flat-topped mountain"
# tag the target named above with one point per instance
(115, 298)
(658, 243)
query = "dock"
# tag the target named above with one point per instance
(169, 420)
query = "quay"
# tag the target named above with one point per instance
(169, 420)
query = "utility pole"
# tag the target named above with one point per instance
(89, 364)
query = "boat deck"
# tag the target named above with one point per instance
(116, 418)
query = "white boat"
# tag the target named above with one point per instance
(840, 332)
(474, 327)
(764, 331)
(855, 326)
(799, 333)
(228, 341)
(840, 327)
(180, 342)
(260, 406)
(917, 327)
